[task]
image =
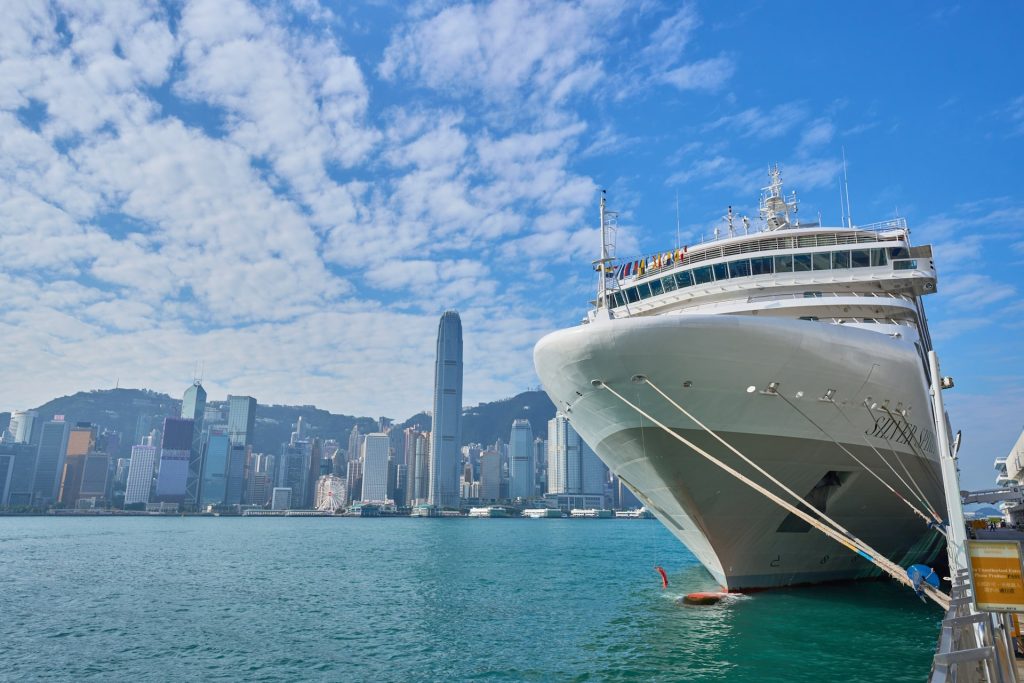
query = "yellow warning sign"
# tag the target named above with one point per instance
(996, 575)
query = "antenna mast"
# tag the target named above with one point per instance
(609, 227)
(846, 184)
(677, 220)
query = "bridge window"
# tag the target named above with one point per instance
(860, 258)
(739, 268)
(702, 275)
(684, 279)
(878, 257)
(904, 265)
(761, 265)
(721, 271)
(618, 298)
(840, 259)
(668, 283)
(632, 295)
(656, 288)
(801, 262)
(784, 264)
(645, 290)
(899, 252)
(822, 260)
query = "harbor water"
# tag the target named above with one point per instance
(347, 599)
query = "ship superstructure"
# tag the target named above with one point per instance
(800, 346)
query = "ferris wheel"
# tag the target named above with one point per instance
(331, 500)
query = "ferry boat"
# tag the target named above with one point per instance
(489, 511)
(800, 346)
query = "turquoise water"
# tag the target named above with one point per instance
(279, 599)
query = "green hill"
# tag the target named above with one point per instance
(133, 412)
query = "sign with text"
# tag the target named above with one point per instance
(996, 575)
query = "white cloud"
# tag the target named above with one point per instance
(820, 132)
(756, 122)
(707, 74)
(503, 50)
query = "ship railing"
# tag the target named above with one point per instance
(772, 240)
(817, 295)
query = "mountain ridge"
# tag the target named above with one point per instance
(134, 412)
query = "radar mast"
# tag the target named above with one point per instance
(775, 208)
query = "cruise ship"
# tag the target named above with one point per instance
(793, 355)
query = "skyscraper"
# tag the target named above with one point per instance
(355, 443)
(573, 467)
(376, 448)
(17, 462)
(241, 419)
(416, 447)
(215, 468)
(235, 486)
(20, 428)
(81, 442)
(446, 433)
(140, 475)
(490, 475)
(521, 467)
(175, 452)
(193, 407)
(353, 479)
(53, 440)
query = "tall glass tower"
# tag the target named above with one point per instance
(241, 419)
(520, 456)
(193, 406)
(446, 434)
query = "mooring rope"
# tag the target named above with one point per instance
(791, 492)
(854, 457)
(864, 438)
(859, 547)
(908, 436)
(896, 457)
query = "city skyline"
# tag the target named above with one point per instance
(395, 175)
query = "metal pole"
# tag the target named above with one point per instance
(956, 529)
(603, 263)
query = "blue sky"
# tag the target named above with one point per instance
(291, 193)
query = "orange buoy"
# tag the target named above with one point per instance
(703, 598)
(664, 577)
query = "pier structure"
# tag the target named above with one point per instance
(975, 644)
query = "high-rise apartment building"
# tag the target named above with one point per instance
(446, 433)
(376, 449)
(522, 472)
(241, 419)
(140, 475)
(193, 407)
(175, 453)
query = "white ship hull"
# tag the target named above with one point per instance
(732, 529)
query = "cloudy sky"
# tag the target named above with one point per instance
(291, 193)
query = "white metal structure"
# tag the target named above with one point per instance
(803, 347)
